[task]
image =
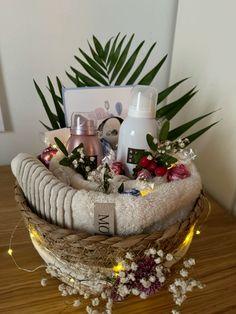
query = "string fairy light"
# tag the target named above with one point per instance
(10, 251)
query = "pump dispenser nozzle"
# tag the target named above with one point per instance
(143, 102)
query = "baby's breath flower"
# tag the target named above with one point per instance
(152, 278)
(87, 168)
(44, 282)
(175, 312)
(131, 276)
(169, 257)
(103, 295)
(143, 295)
(76, 303)
(135, 291)
(129, 256)
(95, 302)
(134, 266)
(75, 163)
(149, 157)
(157, 260)
(160, 253)
(183, 272)
(162, 279)
(155, 140)
(92, 158)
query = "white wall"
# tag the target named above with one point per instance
(40, 37)
(205, 49)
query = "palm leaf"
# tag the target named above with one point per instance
(106, 49)
(148, 78)
(113, 47)
(177, 132)
(98, 48)
(59, 111)
(46, 107)
(47, 127)
(170, 110)
(61, 146)
(129, 64)
(140, 67)
(121, 60)
(91, 71)
(84, 78)
(75, 80)
(197, 134)
(93, 63)
(115, 55)
(164, 131)
(162, 95)
(96, 56)
(59, 85)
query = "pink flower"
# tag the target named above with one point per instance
(144, 174)
(178, 172)
(117, 167)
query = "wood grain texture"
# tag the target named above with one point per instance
(21, 292)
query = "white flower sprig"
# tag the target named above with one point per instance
(182, 285)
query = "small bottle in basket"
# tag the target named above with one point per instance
(83, 131)
(140, 121)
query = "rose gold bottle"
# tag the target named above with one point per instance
(83, 131)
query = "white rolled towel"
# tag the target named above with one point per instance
(61, 204)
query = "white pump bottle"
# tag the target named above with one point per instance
(140, 121)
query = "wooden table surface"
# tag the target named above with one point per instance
(20, 292)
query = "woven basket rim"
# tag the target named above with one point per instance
(74, 245)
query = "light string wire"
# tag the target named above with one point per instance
(10, 251)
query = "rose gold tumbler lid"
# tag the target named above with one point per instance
(80, 125)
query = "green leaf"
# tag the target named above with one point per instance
(75, 80)
(162, 95)
(150, 139)
(96, 57)
(177, 132)
(115, 55)
(59, 85)
(81, 145)
(170, 110)
(98, 48)
(106, 49)
(65, 162)
(148, 78)
(91, 71)
(93, 63)
(60, 112)
(195, 135)
(61, 146)
(166, 160)
(121, 60)
(85, 79)
(113, 47)
(140, 67)
(47, 127)
(164, 131)
(47, 108)
(129, 64)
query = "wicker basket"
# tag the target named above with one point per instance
(102, 251)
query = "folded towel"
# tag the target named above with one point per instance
(65, 206)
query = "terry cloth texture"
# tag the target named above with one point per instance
(67, 207)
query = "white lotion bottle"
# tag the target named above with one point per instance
(140, 121)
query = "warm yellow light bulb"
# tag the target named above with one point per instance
(198, 232)
(117, 268)
(10, 251)
(72, 280)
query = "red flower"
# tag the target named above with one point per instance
(178, 172)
